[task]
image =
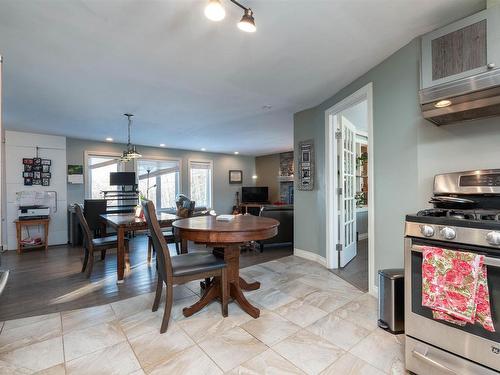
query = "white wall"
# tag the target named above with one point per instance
(19, 145)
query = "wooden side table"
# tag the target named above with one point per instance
(28, 223)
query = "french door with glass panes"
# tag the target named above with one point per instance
(347, 184)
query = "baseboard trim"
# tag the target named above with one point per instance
(310, 256)
(362, 236)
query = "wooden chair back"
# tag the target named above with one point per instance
(87, 232)
(92, 210)
(159, 243)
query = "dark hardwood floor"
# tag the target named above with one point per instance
(356, 271)
(41, 284)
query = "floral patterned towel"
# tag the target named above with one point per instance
(454, 286)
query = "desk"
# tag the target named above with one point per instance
(128, 222)
(226, 239)
(28, 223)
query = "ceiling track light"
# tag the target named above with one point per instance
(215, 11)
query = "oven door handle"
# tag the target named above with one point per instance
(432, 362)
(489, 261)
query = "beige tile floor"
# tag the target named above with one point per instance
(312, 322)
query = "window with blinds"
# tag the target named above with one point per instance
(201, 183)
(159, 181)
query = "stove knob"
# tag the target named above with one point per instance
(493, 238)
(427, 230)
(448, 233)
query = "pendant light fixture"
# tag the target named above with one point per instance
(131, 152)
(215, 11)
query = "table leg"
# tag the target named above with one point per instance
(245, 305)
(249, 286)
(231, 256)
(120, 254)
(210, 293)
(46, 236)
(18, 233)
(127, 256)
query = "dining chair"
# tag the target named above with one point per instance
(91, 244)
(182, 268)
(185, 209)
(92, 210)
(169, 238)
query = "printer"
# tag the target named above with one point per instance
(33, 212)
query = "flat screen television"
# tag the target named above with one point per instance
(254, 194)
(122, 178)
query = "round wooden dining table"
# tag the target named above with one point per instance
(226, 237)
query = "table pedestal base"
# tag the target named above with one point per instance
(231, 255)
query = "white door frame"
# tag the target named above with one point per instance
(364, 93)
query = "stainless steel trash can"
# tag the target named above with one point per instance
(391, 300)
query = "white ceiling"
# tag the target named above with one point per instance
(73, 67)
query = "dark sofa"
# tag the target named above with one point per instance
(284, 214)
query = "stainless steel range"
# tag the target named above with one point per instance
(466, 216)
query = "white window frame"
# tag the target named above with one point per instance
(211, 163)
(86, 169)
(160, 158)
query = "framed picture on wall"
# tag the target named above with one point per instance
(235, 176)
(306, 165)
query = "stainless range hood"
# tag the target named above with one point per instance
(464, 99)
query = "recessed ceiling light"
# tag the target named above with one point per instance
(254, 177)
(162, 144)
(442, 103)
(203, 149)
(236, 152)
(109, 139)
(267, 107)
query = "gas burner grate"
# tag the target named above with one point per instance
(475, 215)
(434, 212)
(461, 214)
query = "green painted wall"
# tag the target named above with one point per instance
(408, 152)
(224, 192)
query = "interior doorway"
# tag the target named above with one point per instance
(349, 172)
